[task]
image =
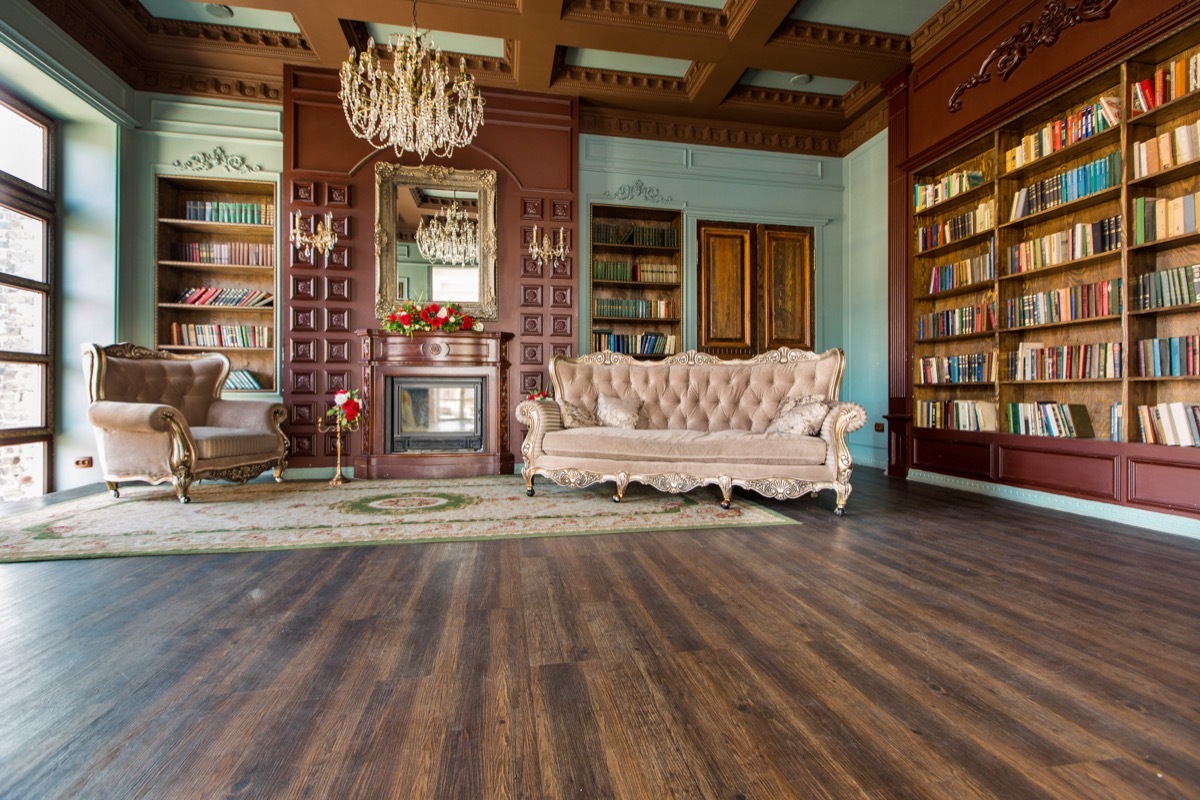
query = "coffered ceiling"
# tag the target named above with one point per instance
(775, 74)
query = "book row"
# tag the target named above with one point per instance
(639, 235)
(962, 368)
(253, 254)
(1169, 82)
(1179, 286)
(242, 379)
(1078, 241)
(1169, 149)
(1047, 418)
(1176, 424)
(1081, 123)
(634, 271)
(627, 308)
(979, 318)
(1100, 299)
(1033, 361)
(1066, 187)
(1158, 218)
(978, 220)
(643, 344)
(958, 415)
(220, 335)
(966, 272)
(927, 195)
(1169, 357)
(222, 211)
(216, 296)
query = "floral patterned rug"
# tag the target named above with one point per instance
(224, 518)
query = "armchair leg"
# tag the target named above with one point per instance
(843, 493)
(112, 488)
(278, 472)
(182, 482)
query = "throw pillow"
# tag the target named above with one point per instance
(574, 416)
(617, 413)
(800, 416)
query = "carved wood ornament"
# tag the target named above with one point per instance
(1057, 17)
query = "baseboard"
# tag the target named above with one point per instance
(1153, 520)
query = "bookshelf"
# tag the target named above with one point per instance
(636, 280)
(215, 274)
(1055, 272)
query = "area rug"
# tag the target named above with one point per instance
(223, 518)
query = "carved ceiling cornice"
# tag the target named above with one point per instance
(620, 122)
(777, 99)
(173, 81)
(941, 23)
(861, 96)
(257, 41)
(648, 13)
(796, 33)
(865, 127)
(596, 81)
(95, 34)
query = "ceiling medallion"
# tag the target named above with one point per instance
(451, 237)
(416, 107)
(1056, 18)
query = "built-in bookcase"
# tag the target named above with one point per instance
(1055, 273)
(636, 280)
(216, 274)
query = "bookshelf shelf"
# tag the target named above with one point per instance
(636, 284)
(1167, 176)
(637, 320)
(1065, 209)
(1066, 323)
(957, 291)
(957, 244)
(1166, 244)
(1171, 109)
(214, 235)
(1190, 308)
(1079, 149)
(969, 197)
(957, 337)
(1052, 269)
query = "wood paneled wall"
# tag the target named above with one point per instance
(532, 143)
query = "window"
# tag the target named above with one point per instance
(27, 216)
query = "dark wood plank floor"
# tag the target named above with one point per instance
(930, 644)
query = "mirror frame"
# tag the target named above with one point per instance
(388, 178)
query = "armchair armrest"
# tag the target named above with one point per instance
(114, 415)
(541, 417)
(263, 415)
(842, 419)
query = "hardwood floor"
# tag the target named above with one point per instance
(930, 644)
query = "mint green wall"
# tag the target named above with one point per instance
(719, 183)
(864, 295)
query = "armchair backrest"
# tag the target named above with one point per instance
(133, 374)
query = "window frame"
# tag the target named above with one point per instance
(42, 204)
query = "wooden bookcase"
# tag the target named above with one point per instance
(218, 236)
(1032, 281)
(636, 280)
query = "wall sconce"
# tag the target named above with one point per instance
(542, 251)
(322, 239)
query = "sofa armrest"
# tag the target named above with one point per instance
(842, 419)
(541, 417)
(259, 415)
(112, 415)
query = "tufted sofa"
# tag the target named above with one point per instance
(700, 421)
(160, 417)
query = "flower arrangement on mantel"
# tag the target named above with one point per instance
(410, 316)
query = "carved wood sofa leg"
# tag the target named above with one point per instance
(622, 485)
(529, 476)
(726, 485)
(112, 488)
(843, 492)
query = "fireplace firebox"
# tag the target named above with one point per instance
(434, 414)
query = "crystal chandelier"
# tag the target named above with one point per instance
(417, 107)
(541, 251)
(451, 237)
(321, 238)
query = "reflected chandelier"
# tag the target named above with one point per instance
(451, 237)
(416, 107)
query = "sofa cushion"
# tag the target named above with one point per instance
(800, 416)
(615, 412)
(214, 443)
(699, 447)
(574, 416)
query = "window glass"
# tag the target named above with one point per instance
(22, 471)
(24, 152)
(22, 244)
(455, 284)
(22, 395)
(22, 320)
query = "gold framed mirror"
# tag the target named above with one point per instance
(407, 198)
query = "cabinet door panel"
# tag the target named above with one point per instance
(787, 288)
(727, 260)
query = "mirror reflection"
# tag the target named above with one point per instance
(435, 237)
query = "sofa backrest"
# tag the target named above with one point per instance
(131, 374)
(692, 391)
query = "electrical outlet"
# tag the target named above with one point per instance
(84, 463)
(879, 427)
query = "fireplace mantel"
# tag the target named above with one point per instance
(464, 354)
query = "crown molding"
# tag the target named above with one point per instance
(863, 129)
(208, 84)
(649, 13)
(941, 23)
(860, 97)
(778, 99)
(798, 33)
(613, 82)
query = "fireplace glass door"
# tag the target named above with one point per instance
(435, 414)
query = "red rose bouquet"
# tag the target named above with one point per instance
(346, 409)
(410, 316)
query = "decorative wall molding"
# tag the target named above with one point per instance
(865, 128)
(643, 13)
(1012, 52)
(639, 191)
(631, 124)
(799, 33)
(202, 162)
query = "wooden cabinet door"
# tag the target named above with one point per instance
(727, 288)
(787, 288)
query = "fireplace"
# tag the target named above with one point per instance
(434, 414)
(435, 405)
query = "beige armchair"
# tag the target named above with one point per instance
(160, 417)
